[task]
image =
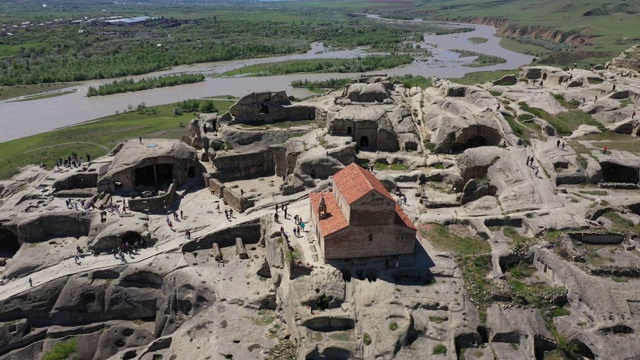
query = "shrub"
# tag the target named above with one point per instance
(393, 326)
(61, 350)
(439, 349)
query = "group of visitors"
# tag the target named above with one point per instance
(71, 161)
(530, 160)
(128, 248)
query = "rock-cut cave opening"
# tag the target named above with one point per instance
(476, 141)
(9, 244)
(131, 237)
(619, 173)
(154, 175)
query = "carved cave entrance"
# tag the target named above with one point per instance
(131, 237)
(9, 244)
(364, 141)
(619, 173)
(476, 141)
(154, 175)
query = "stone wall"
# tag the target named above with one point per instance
(370, 241)
(250, 233)
(243, 166)
(127, 176)
(236, 201)
(77, 181)
(372, 210)
(54, 225)
(269, 107)
(154, 203)
(216, 186)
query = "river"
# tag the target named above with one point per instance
(24, 118)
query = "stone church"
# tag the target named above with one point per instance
(359, 218)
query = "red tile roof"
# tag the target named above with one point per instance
(335, 221)
(403, 219)
(354, 182)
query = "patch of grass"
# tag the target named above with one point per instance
(522, 271)
(61, 350)
(443, 239)
(474, 273)
(613, 141)
(483, 60)
(480, 77)
(478, 40)
(340, 336)
(437, 319)
(518, 128)
(440, 349)
(366, 339)
(571, 104)
(619, 224)
(557, 312)
(523, 48)
(266, 317)
(565, 122)
(46, 96)
(9, 92)
(399, 166)
(594, 192)
(534, 295)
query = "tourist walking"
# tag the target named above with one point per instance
(30, 283)
(302, 225)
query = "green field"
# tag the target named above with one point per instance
(97, 137)
(9, 92)
(480, 77)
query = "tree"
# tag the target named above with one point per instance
(206, 107)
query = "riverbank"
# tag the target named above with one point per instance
(97, 137)
(25, 119)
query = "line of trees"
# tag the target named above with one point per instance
(332, 83)
(127, 85)
(355, 65)
(193, 105)
(40, 55)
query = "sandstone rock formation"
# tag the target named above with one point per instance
(526, 244)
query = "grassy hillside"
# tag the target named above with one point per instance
(610, 25)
